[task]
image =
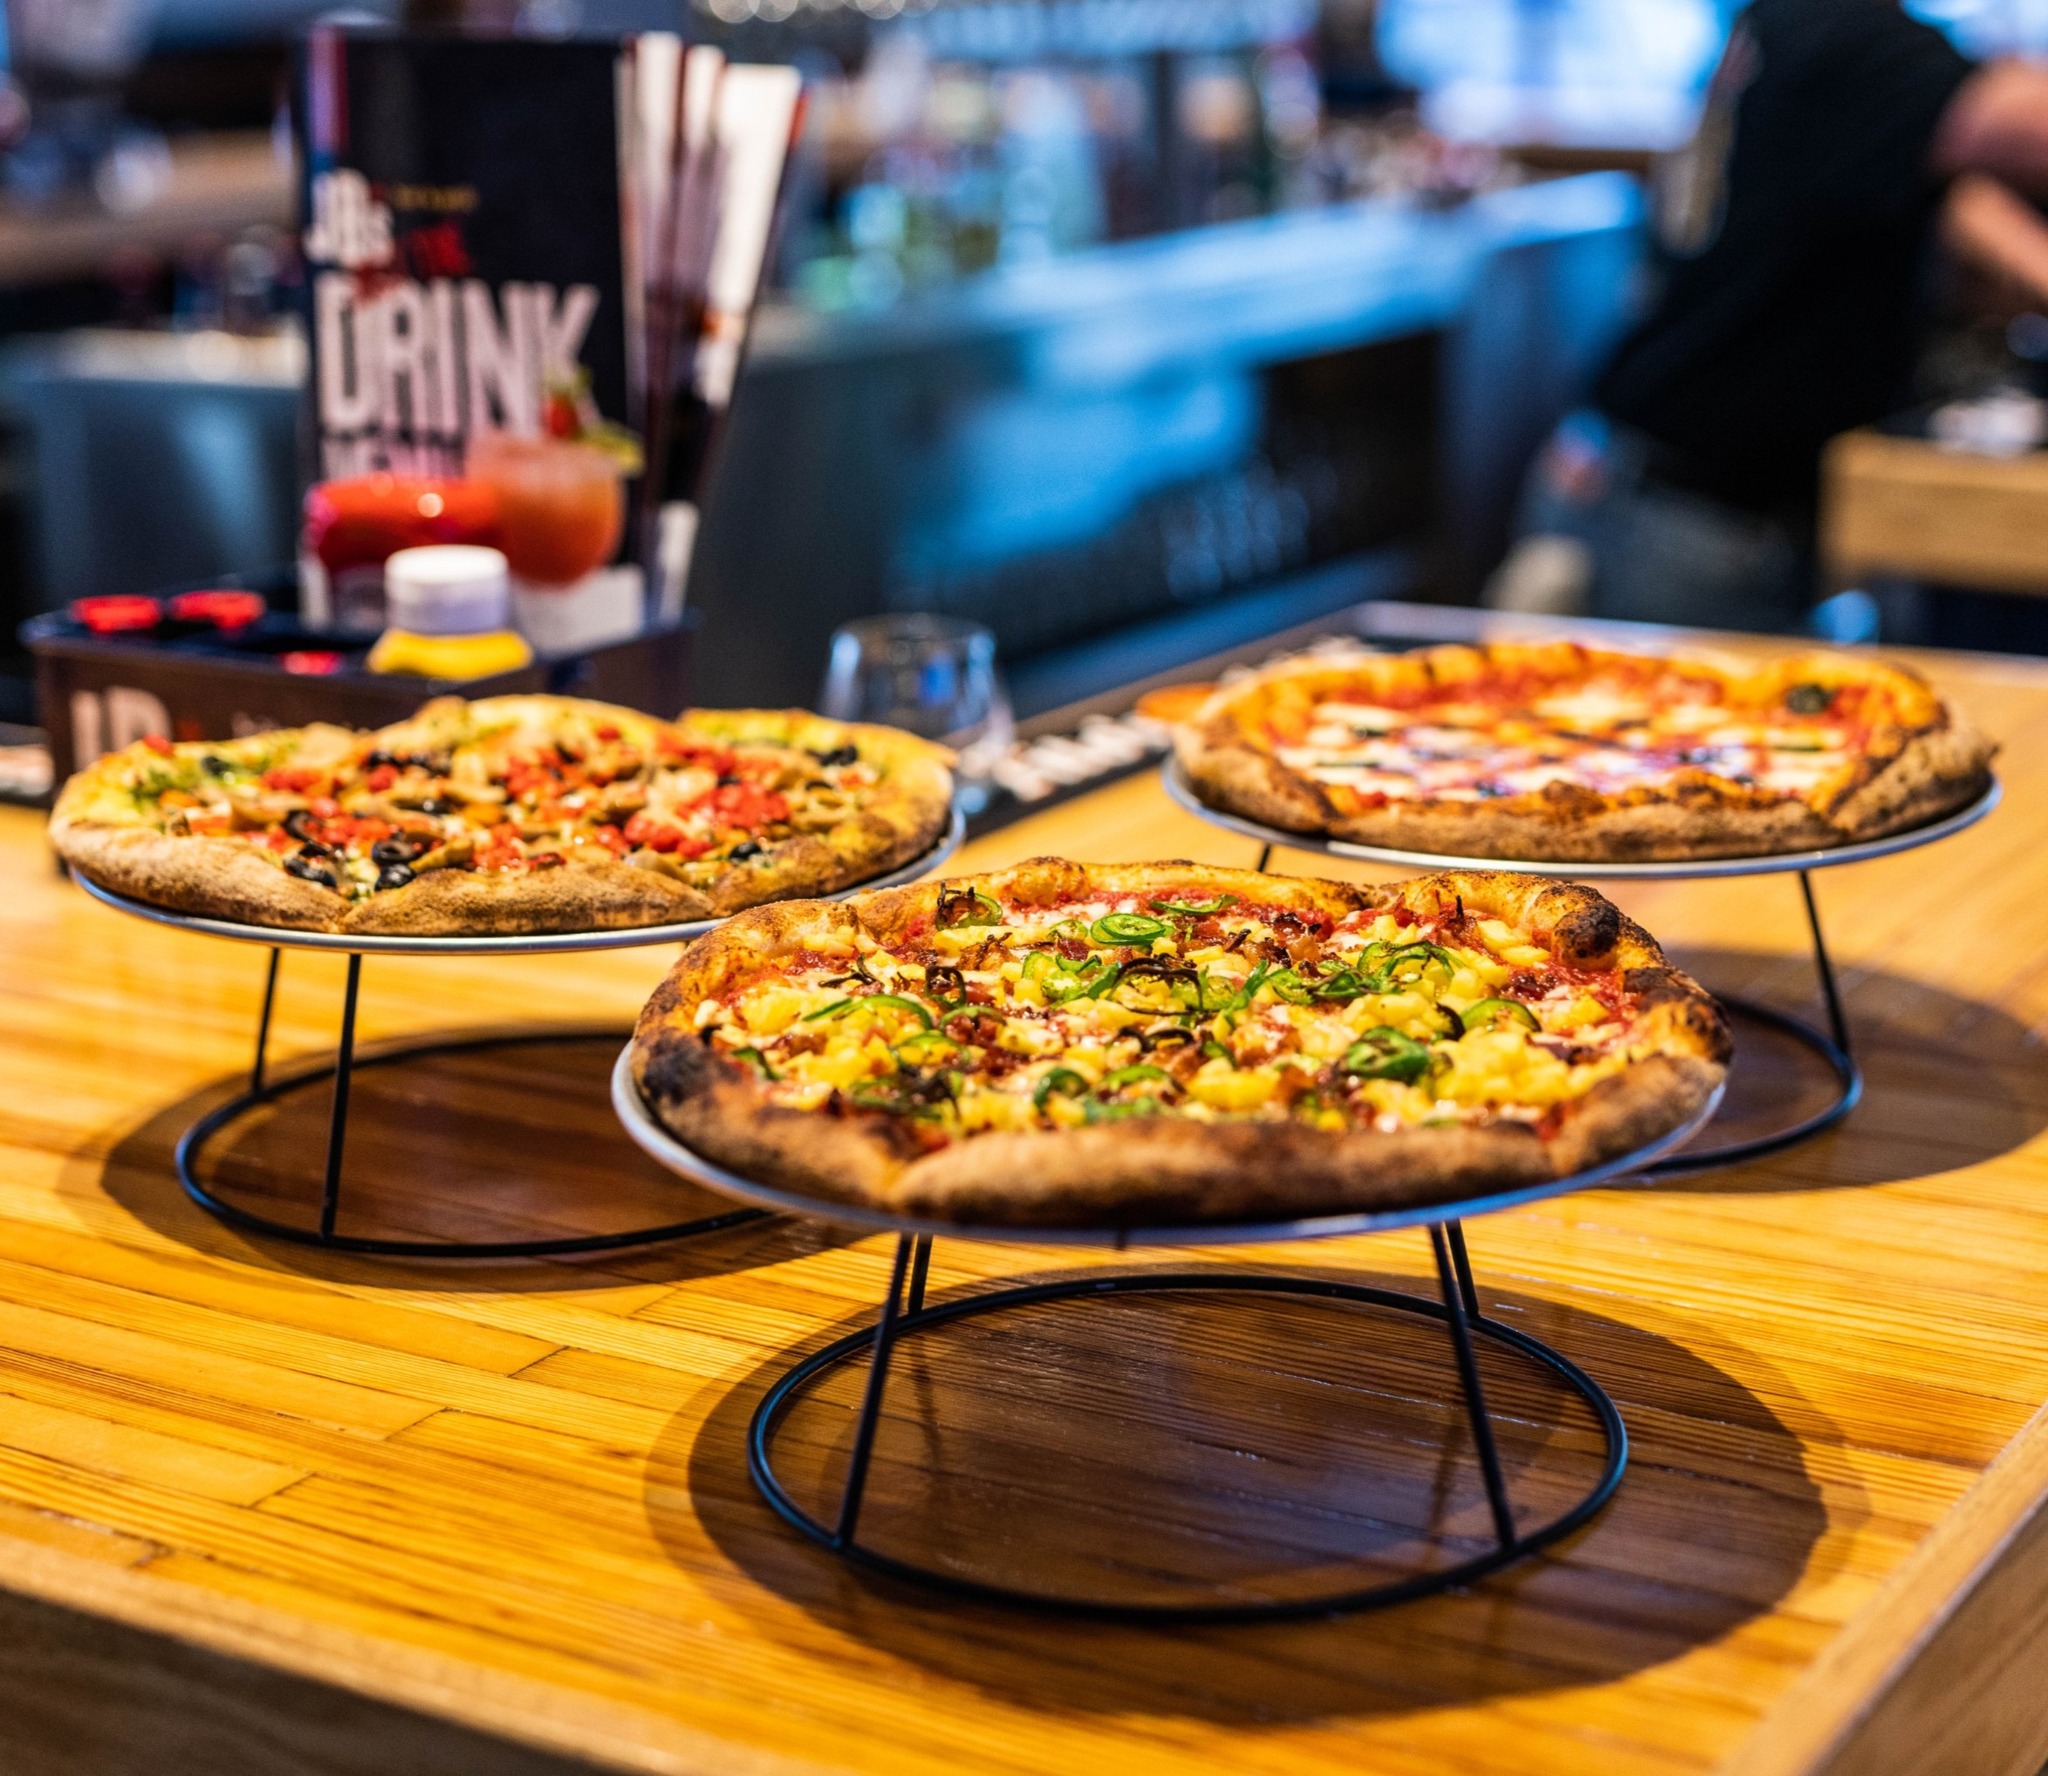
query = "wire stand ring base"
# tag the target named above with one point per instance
(1457, 1309)
(263, 1090)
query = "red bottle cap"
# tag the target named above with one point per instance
(117, 615)
(312, 662)
(223, 608)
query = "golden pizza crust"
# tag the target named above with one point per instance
(1163, 1170)
(100, 830)
(1930, 764)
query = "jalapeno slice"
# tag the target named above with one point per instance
(1384, 1053)
(1404, 966)
(961, 907)
(1119, 1109)
(1189, 909)
(1286, 983)
(1088, 978)
(1127, 928)
(1493, 1011)
(1064, 1082)
(913, 1045)
(759, 1059)
(841, 1007)
(1131, 1075)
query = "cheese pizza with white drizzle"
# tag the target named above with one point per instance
(1566, 753)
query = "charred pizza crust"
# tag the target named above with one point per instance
(1160, 1170)
(101, 828)
(1921, 762)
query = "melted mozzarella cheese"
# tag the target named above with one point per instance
(1593, 707)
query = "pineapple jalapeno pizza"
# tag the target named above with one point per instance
(1074, 1045)
(1567, 753)
(505, 816)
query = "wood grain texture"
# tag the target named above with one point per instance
(317, 1504)
(1903, 506)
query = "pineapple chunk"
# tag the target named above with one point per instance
(1222, 1087)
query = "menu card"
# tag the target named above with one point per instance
(491, 223)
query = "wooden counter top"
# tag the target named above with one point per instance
(267, 1509)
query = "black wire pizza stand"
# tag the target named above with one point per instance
(1457, 1308)
(264, 1088)
(1833, 1045)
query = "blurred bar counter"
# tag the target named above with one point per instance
(1120, 459)
(1182, 442)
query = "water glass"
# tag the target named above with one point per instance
(935, 676)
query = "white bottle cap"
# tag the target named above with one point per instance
(447, 589)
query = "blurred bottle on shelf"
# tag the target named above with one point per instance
(946, 138)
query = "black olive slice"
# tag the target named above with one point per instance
(1809, 699)
(313, 848)
(394, 875)
(435, 805)
(745, 849)
(838, 755)
(310, 869)
(728, 780)
(299, 824)
(399, 848)
(215, 767)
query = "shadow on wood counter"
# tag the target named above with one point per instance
(1154, 1445)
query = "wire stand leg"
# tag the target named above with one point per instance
(1838, 1022)
(1461, 1262)
(1265, 857)
(1475, 1398)
(920, 1269)
(337, 1127)
(871, 1401)
(263, 1022)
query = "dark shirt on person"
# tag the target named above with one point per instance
(1795, 253)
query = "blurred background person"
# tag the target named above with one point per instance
(1840, 142)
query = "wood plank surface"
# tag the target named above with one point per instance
(263, 1507)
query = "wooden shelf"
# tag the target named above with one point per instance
(269, 1509)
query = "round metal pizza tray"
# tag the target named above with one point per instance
(529, 944)
(652, 1138)
(1779, 863)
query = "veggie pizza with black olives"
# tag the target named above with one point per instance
(508, 815)
(1081, 1045)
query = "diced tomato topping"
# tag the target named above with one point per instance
(157, 744)
(323, 807)
(546, 860)
(748, 805)
(604, 731)
(280, 841)
(613, 840)
(661, 835)
(382, 778)
(294, 779)
(672, 749)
